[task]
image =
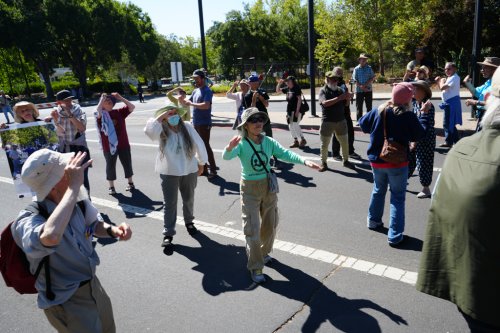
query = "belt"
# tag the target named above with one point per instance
(83, 283)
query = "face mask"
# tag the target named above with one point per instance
(174, 120)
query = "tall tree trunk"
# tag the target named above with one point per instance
(80, 70)
(381, 57)
(45, 69)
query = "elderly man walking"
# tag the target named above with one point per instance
(59, 236)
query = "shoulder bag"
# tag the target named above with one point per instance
(392, 151)
(272, 179)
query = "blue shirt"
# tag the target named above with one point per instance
(401, 128)
(361, 75)
(200, 95)
(72, 261)
(481, 91)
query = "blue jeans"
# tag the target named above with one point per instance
(450, 134)
(395, 178)
(6, 109)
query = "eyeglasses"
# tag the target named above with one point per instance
(255, 120)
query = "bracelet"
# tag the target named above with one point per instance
(110, 232)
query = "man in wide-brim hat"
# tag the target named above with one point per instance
(488, 67)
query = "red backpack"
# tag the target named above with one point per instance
(14, 265)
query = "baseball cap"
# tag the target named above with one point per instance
(199, 73)
(253, 78)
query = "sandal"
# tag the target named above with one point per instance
(111, 191)
(130, 187)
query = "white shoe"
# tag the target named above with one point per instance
(257, 276)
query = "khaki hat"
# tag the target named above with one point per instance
(425, 86)
(495, 83)
(244, 81)
(334, 73)
(36, 113)
(248, 113)
(490, 61)
(43, 170)
(363, 56)
(181, 111)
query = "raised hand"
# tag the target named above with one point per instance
(234, 142)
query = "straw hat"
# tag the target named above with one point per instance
(424, 86)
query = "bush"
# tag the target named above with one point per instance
(62, 85)
(133, 89)
(381, 79)
(220, 88)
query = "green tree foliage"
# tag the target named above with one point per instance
(276, 29)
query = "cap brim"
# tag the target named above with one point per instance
(254, 114)
(487, 64)
(55, 176)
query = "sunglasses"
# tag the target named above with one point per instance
(255, 120)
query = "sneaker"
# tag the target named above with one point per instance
(257, 276)
(130, 187)
(111, 191)
(324, 167)
(167, 241)
(372, 225)
(295, 144)
(445, 145)
(337, 158)
(302, 143)
(354, 155)
(426, 193)
(349, 165)
(191, 229)
(267, 259)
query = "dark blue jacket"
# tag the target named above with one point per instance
(402, 128)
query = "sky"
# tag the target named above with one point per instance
(180, 17)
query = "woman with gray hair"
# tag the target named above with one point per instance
(461, 249)
(259, 204)
(180, 160)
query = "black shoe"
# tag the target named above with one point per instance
(349, 165)
(130, 187)
(337, 157)
(167, 241)
(354, 155)
(191, 229)
(400, 243)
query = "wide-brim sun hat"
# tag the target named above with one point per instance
(490, 61)
(425, 87)
(43, 170)
(244, 81)
(363, 56)
(36, 113)
(250, 112)
(181, 111)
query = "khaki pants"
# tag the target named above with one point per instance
(326, 131)
(87, 311)
(259, 213)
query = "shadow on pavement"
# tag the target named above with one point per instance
(230, 274)
(223, 266)
(138, 199)
(324, 304)
(360, 172)
(106, 241)
(293, 177)
(410, 243)
(225, 187)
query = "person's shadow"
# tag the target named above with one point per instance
(291, 177)
(230, 274)
(325, 305)
(225, 187)
(138, 199)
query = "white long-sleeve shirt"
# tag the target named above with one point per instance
(173, 161)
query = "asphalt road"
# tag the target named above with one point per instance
(330, 273)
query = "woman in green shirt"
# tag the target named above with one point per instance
(259, 206)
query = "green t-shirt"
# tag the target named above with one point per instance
(251, 168)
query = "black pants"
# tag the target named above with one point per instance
(204, 132)
(477, 326)
(75, 149)
(367, 97)
(126, 160)
(350, 134)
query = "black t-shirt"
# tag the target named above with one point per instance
(291, 98)
(335, 112)
(247, 100)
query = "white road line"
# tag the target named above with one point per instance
(368, 267)
(312, 158)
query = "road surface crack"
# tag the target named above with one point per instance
(229, 207)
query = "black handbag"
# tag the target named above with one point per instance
(304, 107)
(272, 179)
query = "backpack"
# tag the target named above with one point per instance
(14, 265)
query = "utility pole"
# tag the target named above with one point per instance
(312, 72)
(202, 35)
(476, 45)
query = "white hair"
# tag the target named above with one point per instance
(492, 114)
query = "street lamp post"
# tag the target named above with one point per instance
(476, 45)
(202, 35)
(312, 72)
(241, 68)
